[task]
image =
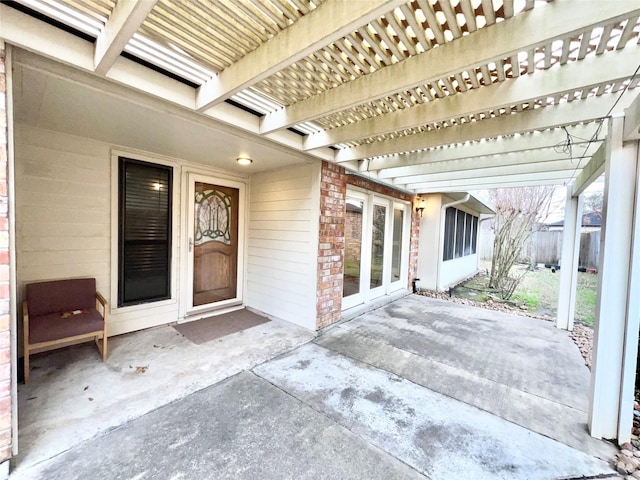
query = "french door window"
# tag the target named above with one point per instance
(376, 247)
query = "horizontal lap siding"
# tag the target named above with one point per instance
(63, 208)
(282, 243)
(63, 213)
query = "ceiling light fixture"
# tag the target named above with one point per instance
(244, 161)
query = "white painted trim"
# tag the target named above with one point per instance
(569, 260)
(358, 298)
(613, 284)
(381, 290)
(630, 352)
(11, 198)
(403, 279)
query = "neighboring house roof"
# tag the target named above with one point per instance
(591, 219)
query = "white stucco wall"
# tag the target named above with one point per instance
(428, 257)
(458, 269)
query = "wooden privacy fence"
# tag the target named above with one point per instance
(546, 247)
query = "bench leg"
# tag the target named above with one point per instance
(26, 366)
(101, 343)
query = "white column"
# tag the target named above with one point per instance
(613, 283)
(569, 260)
(630, 354)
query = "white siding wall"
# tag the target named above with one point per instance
(283, 243)
(64, 202)
(63, 208)
(63, 213)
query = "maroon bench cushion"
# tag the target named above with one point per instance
(55, 326)
(61, 296)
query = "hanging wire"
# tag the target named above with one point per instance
(601, 122)
(565, 147)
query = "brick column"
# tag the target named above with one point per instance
(414, 238)
(333, 191)
(5, 336)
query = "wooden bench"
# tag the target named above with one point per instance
(62, 311)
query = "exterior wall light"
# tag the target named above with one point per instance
(420, 207)
(244, 161)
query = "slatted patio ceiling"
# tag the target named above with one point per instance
(382, 85)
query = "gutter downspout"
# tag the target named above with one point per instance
(480, 222)
(443, 207)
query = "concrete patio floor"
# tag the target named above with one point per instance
(418, 389)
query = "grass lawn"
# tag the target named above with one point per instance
(538, 292)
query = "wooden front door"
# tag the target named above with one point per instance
(215, 243)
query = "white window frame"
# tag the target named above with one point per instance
(403, 279)
(366, 293)
(365, 252)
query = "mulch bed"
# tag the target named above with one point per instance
(489, 304)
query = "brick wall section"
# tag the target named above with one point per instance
(5, 336)
(333, 192)
(414, 237)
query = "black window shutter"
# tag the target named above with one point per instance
(145, 192)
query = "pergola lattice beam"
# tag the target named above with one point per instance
(404, 164)
(591, 171)
(520, 33)
(586, 74)
(632, 121)
(126, 18)
(509, 163)
(331, 21)
(506, 183)
(480, 183)
(578, 111)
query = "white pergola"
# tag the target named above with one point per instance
(425, 95)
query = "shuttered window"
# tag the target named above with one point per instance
(144, 232)
(460, 234)
(449, 233)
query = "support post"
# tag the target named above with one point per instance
(614, 275)
(630, 353)
(569, 260)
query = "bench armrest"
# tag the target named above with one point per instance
(104, 304)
